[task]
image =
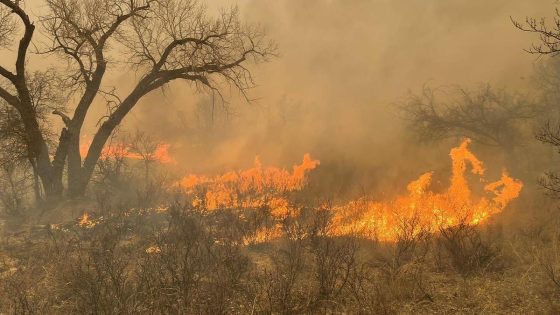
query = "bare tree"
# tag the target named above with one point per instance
(488, 116)
(160, 40)
(13, 136)
(549, 34)
(550, 134)
(14, 181)
(146, 148)
(548, 80)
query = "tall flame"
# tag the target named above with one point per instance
(421, 210)
(428, 211)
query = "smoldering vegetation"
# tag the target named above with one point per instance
(352, 88)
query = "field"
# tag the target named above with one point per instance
(279, 157)
(253, 242)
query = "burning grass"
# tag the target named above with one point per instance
(431, 211)
(239, 243)
(267, 188)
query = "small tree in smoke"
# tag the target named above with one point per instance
(546, 81)
(160, 40)
(14, 181)
(145, 146)
(14, 154)
(548, 78)
(486, 115)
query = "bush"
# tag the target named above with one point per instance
(463, 248)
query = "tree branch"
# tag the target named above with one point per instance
(64, 117)
(9, 98)
(27, 35)
(7, 74)
(549, 37)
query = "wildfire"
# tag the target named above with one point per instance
(420, 210)
(424, 210)
(256, 187)
(263, 235)
(160, 154)
(153, 250)
(86, 222)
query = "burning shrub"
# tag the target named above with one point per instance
(266, 190)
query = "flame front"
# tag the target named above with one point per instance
(256, 187)
(421, 210)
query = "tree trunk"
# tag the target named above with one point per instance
(76, 185)
(40, 155)
(36, 183)
(81, 176)
(81, 180)
(53, 186)
(79, 185)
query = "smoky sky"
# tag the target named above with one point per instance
(342, 66)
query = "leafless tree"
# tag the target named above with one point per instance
(546, 80)
(13, 189)
(13, 150)
(146, 147)
(549, 34)
(159, 40)
(14, 168)
(549, 81)
(550, 134)
(488, 116)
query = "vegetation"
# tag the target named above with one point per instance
(161, 41)
(139, 240)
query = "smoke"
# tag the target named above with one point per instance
(331, 92)
(342, 67)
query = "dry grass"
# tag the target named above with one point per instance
(187, 262)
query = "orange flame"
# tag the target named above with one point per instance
(421, 210)
(427, 210)
(160, 154)
(84, 219)
(255, 187)
(86, 222)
